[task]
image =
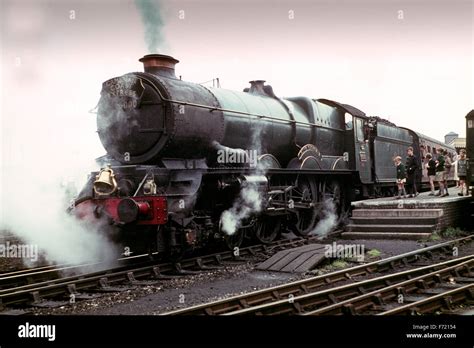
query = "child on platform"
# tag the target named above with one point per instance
(401, 177)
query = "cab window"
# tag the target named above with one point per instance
(348, 121)
(359, 130)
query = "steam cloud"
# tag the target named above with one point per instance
(249, 201)
(113, 120)
(329, 220)
(150, 13)
(35, 202)
(47, 151)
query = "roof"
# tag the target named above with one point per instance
(458, 142)
(452, 133)
(346, 107)
(442, 143)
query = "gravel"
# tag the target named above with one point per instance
(158, 296)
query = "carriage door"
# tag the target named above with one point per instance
(362, 151)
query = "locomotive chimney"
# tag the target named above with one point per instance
(256, 87)
(159, 64)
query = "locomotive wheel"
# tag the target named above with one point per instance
(160, 249)
(268, 161)
(332, 192)
(306, 218)
(267, 229)
(235, 240)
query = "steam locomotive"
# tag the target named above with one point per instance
(189, 166)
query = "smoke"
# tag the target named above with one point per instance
(150, 13)
(329, 220)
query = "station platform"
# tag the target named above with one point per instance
(408, 218)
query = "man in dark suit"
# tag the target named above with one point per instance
(411, 167)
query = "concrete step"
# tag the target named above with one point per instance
(385, 235)
(390, 228)
(394, 220)
(435, 213)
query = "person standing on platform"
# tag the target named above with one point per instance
(401, 177)
(448, 163)
(455, 166)
(431, 166)
(462, 168)
(411, 168)
(440, 172)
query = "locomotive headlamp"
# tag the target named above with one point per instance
(105, 183)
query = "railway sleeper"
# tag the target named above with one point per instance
(202, 266)
(104, 286)
(439, 290)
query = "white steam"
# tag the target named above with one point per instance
(35, 199)
(329, 220)
(48, 146)
(248, 202)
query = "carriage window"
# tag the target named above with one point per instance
(422, 151)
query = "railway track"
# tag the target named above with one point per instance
(39, 274)
(427, 293)
(20, 288)
(287, 296)
(379, 295)
(44, 273)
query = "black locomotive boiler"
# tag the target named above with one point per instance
(188, 165)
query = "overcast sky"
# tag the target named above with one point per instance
(408, 61)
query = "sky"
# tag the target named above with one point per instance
(408, 61)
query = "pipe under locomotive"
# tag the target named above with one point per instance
(188, 166)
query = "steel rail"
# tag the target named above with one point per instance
(44, 273)
(311, 284)
(371, 300)
(288, 302)
(434, 303)
(104, 279)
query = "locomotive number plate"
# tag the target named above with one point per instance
(128, 88)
